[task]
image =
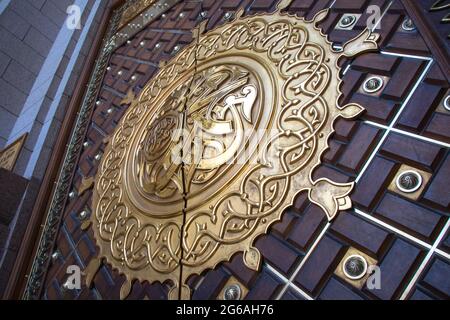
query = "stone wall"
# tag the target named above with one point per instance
(41, 59)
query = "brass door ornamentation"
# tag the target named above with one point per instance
(9, 155)
(217, 145)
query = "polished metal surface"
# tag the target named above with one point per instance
(10, 154)
(355, 267)
(133, 10)
(217, 145)
(373, 84)
(409, 181)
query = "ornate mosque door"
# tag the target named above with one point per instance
(257, 150)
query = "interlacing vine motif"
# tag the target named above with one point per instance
(135, 243)
(301, 65)
(276, 73)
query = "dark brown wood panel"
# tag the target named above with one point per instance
(303, 246)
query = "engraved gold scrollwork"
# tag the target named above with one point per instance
(274, 74)
(9, 155)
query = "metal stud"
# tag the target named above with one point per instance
(232, 292)
(163, 16)
(447, 103)
(108, 69)
(176, 49)
(158, 45)
(373, 84)
(133, 78)
(83, 215)
(203, 14)
(409, 181)
(86, 144)
(227, 16)
(408, 25)
(120, 73)
(55, 256)
(181, 15)
(128, 41)
(98, 102)
(347, 21)
(109, 111)
(355, 267)
(98, 156)
(142, 43)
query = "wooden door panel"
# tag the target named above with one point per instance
(302, 251)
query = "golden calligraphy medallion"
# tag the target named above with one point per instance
(217, 145)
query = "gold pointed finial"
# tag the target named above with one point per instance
(85, 225)
(239, 13)
(129, 97)
(364, 42)
(86, 184)
(330, 196)
(252, 258)
(320, 16)
(125, 290)
(91, 270)
(162, 64)
(283, 4)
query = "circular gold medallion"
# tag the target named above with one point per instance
(218, 144)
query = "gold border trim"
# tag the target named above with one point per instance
(7, 159)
